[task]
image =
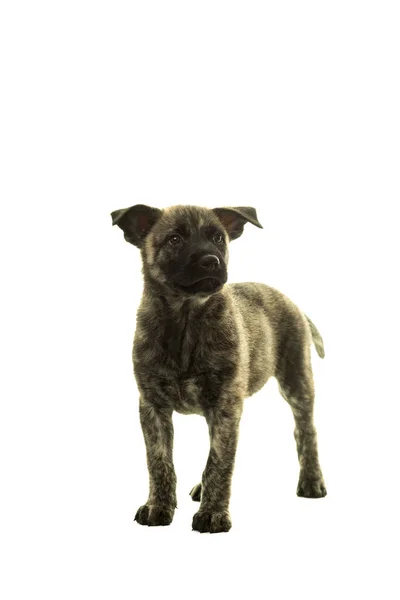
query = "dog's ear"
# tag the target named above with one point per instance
(136, 222)
(235, 218)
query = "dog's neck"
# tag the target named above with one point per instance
(174, 302)
(175, 322)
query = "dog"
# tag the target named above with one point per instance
(202, 346)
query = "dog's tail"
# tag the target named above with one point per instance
(317, 339)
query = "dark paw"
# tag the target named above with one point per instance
(196, 493)
(211, 522)
(311, 487)
(154, 515)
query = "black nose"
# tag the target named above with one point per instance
(209, 262)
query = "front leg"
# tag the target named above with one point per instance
(158, 434)
(223, 424)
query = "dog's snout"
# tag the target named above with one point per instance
(209, 262)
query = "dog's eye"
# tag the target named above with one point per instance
(175, 239)
(218, 238)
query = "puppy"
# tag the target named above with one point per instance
(202, 346)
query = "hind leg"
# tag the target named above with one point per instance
(196, 493)
(297, 388)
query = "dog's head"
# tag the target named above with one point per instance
(184, 248)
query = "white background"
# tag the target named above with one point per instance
(290, 107)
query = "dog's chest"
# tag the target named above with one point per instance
(183, 346)
(190, 396)
(181, 342)
(187, 362)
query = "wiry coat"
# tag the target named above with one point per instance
(202, 346)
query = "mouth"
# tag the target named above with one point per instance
(207, 285)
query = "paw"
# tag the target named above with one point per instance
(196, 493)
(310, 486)
(211, 522)
(154, 515)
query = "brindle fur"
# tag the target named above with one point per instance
(200, 350)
